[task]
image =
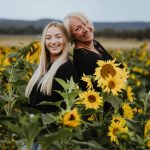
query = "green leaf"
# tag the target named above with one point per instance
(28, 127)
(113, 100)
(140, 139)
(86, 112)
(62, 83)
(61, 134)
(63, 94)
(92, 144)
(48, 118)
(50, 103)
(13, 55)
(20, 82)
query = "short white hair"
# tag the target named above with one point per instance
(78, 15)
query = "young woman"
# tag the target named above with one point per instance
(54, 63)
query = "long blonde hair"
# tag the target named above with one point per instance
(41, 74)
(78, 15)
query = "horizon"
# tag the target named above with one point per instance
(13, 19)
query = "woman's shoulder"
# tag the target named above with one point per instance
(68, 65)
(80, 51)
(86, 56)
(66, 70)
(102, 50)
(80, 54)
(69, 62)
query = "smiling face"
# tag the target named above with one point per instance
(54, 41)
(81, 31)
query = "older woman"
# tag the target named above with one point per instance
(87, 51)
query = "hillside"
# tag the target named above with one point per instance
(5, 24)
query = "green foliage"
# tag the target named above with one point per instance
(74, 127)
(27, 127)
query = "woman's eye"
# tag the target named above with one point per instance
(58, 37)
(77, 29)
(48, 38)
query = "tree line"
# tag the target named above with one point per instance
(108, 33)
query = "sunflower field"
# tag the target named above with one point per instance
(85, 123)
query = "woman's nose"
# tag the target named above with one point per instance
(53, 41)
(84, 30)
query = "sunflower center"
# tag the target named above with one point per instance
(116, 120)
(91, 98)
(111, 85)
(108, 69)
(72, 117)
(10, 59)
(115, 130)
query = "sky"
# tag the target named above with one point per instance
(95, 10)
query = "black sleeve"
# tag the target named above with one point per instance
(66, 71)
(86, 63)
(107, 56)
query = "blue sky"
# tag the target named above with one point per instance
(96, 10)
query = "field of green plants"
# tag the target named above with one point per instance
(84, 124)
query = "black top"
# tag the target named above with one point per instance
(65, 71)
(85, 60)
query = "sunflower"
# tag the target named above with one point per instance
(145, 72)
(124, 73)
(118, 119)
(130, 94)
(116, 129)
(8, 86)
(92, 117)
(148, 144)
(128, 112)
(138, 83)
(147, 128)
(37, 45)
(88, 81)
(147, 133)
(91, 99)
(133, 76)
(148, 62)
(138, 70)
(8, 61)
(71, 118)
(33, 54)
(140, 111)
(113, 84)
(106, 68)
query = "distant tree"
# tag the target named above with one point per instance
(138, 34)
(108, 33)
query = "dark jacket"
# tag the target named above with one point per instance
(65, 71)
(85, 60)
